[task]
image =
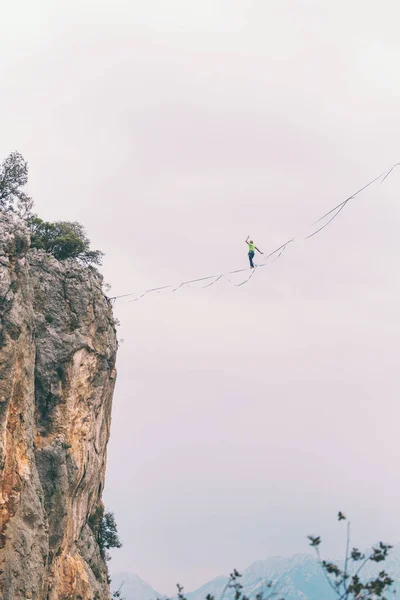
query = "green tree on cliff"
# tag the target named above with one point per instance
(104, 528)
(13, 177)
(62, 239)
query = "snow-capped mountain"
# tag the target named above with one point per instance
(296, 578)
(133, 588)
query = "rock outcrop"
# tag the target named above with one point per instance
(57, 374)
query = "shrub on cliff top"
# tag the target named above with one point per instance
(62, 239)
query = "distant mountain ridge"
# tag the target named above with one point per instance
(296, 578)
(133, 587)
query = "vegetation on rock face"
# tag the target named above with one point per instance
(104, 528)
(108, 534)
(62, 239)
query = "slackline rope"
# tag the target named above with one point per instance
(277, 253)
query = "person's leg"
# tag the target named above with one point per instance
(251, 256)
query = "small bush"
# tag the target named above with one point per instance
(108, 534)
(105, 531)
(63, 239)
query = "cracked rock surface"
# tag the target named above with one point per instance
(57, 375)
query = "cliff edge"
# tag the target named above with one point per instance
(57, 373)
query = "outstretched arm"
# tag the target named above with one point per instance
(247, 239)
(258, 250)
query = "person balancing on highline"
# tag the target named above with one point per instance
(252, 247)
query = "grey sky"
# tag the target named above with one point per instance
(243, 418)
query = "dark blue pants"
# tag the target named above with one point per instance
(251, 256)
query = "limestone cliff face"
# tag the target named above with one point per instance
(57, 374)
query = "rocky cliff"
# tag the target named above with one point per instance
(57, 374)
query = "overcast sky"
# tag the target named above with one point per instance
(244, 418)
